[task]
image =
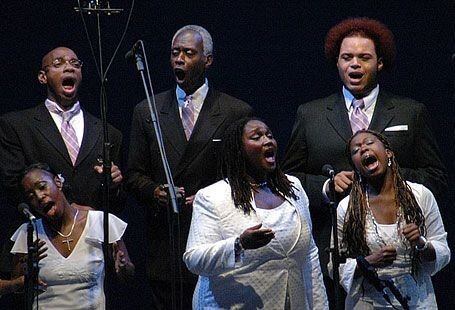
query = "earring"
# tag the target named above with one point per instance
(389, 163)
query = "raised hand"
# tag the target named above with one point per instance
(343, 181)
(255, 237)
(383, 257)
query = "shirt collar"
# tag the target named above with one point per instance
(198, 96)
(53, 106)
(369, 100)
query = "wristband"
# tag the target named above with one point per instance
(424, 247)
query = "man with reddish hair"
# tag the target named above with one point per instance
(360, 48)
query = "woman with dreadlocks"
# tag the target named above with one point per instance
(393, 224)
(250, 239)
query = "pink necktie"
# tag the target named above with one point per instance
(188, 116)
(69, 134)
(359, 120)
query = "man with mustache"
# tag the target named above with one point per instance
(193, 117)
(61, 133)
(360, 48)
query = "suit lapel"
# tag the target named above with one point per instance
(338, 116)
(383, 113)
(209, 119)
(92, 132)
(171, 124)
(46, 126)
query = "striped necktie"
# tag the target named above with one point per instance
(359, 120)
(188, 116)
(68, 133)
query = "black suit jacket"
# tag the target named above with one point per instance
(319, 137)
(193, 164)
(31, 136)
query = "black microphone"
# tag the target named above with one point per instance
(402, 300)
(370, 274)
(132, 52)
(328, 170)
(25, 209)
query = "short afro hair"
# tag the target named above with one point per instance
(364, 27)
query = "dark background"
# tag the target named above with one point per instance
(268, 53)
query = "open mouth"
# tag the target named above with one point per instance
(269, 156)
(179, 74)
(370, 162)
(68, 84)
(47, 207)
(356, 75)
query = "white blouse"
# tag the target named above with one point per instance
(419, 288)
(76, 281)
(284, 273)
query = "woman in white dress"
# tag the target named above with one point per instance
(250, 239)
(74, 267)
(395, 225)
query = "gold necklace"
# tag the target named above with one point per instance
(68, 240)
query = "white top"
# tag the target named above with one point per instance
(198, 98)
(369, 101)
(265, 277)
(284, 221)
(420, 290)
(74, 282)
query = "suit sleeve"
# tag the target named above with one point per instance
(117, 199)
(296, 157)
(139, 179)
(428, 168)
(12, 159)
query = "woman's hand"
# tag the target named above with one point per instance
(383, 257)
(412, 233)
(123, 265)
(41, 249)
(255, 237)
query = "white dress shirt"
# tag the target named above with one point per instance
(77, 121)
(198, 98)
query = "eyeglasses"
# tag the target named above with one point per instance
(60, 62)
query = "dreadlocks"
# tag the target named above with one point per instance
(233, 167)
(354, 239)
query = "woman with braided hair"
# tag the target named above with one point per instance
(250, 239)
(395, 225)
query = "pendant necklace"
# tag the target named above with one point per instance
(371, 219)
(68, 240)
(258, 185)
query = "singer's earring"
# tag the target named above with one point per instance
(389, 163)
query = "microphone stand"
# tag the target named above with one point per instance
(173, 218)
(334, 251)
(31, 276)
(97, 8)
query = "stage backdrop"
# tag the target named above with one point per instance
(268, 53)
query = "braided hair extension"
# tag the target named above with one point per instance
(233, 167)
(354, 239)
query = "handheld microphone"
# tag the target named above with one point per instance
(25, 209)
(328, 170)
(380, 285)
(133, 51)
(370, 274)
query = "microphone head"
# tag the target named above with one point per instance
(22, 206)
(328, 170)
(133, 51)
